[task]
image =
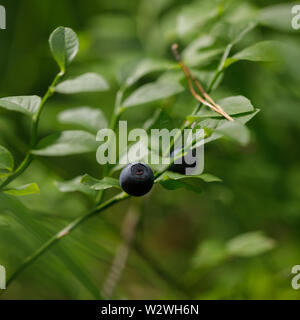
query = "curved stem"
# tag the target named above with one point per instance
(35, 122)
(61, 234)
(21, 168)
(37, 116)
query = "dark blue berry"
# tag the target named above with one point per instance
(136, 179)
(181, 167)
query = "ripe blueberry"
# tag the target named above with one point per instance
(136, 179)
(181, 167)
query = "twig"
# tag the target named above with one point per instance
(211, 104)
(128, 231)
(64, 232)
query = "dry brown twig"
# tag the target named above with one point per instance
(128, 232)
(206, 99)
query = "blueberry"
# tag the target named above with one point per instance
(136, 179)
(181, 167)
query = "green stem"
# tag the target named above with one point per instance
(37, 116)
(35, 122)
(222, 64)
(61, 234)
(113, 122)
(21, 168)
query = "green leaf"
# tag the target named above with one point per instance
(64, 46)
(66, 143)
(195, 16)
(175, 184)
(231, 105)
(204, 57)
(250, 244)
(84, 117)
(28, 105)
(73, 185)
(25, 190)
(88, 82)
(244, 118)
(277, 16)
(210, 253)
(198, 52)
(196, 45)
(145, 67)
(152, 92)
(261, 51)
(103, 184)
(6, 162)
(172, 181)
(235, 131)
(212, 125)
(236, 105)
(206, 177)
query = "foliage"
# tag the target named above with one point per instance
(48, 146)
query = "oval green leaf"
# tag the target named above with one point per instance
(84, 117)
(66, 143)
(231, 105)
(88, 82)
(261, 51)
(250, 244)
(28, 105)
(64, 46)
(103, 184)
(73, 185)
(25, 190)
(152, 92)
(145, 67)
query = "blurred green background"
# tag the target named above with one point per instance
(182, 240)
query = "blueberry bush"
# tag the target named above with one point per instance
(66, 222)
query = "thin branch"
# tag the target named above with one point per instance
(128, 231)
(211, 104)
(64, 232)
(29, 157)
(49, 93)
